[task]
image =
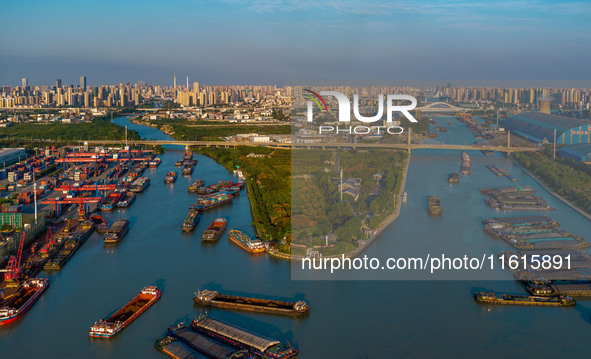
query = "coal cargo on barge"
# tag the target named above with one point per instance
(215, 299)
(106, 328)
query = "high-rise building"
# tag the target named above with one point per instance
(58, 83)
(25, 82)
(545, 106)
(195, 86)
(83, 82)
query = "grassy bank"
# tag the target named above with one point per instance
(184, 130)
(98, 129)
(570, 179)
(268, 178)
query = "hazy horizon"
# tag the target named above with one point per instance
(280, 42)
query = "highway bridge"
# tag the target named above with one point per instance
(234, 144)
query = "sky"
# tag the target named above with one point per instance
(280, 42)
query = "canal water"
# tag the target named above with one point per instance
(348, 319)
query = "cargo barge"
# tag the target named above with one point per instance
(117, 231)
(211, 201)
(190, 221)
(110, 202)
(203, 344)
(531, 233)
(466, 167)
(214, 230)
(220, 186)
(100, 224)
(571, 288)
(57, 261)
(17, 304)
(187, 170)
(170, 177)
(494, 170)
(176, 349)
(188, 155)
(178, 163)
(213, 298)
(106, 328)
(126, 200)
(434, 205)
(154, 163)
(245, 242)
(194, 187)
(140, 184)
(508, 190)
(526, 300)
(263, 347)
(453, 178)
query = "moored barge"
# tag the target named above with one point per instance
(126, 200)
(170, 177)
(57, 261)
(245, 242)
(100, 224)
(106, 328)
(191, 220)
(211, 201)
(110, 202)
(117, 231)
(526, 300)
(261, 346)
(154, 163)
(434, 205)
(139, 184)
(194, 187)
(206, 345)
(215, 299)
(214, 230)
(16, 305)
(453, 178)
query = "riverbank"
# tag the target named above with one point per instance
(382, 226)
(541, 183)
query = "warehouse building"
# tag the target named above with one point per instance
(578, 152)
(9, 155)
(539, 127)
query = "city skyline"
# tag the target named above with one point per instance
(275, 42)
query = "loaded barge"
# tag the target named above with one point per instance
(170, 177)
(117, 231)
(242, 240)
(195, 341)
(466, 167)
(211, 201)
(194, 187)
(263, 347)
(140, 184)
(215, 299)
(526, 300)
(190, 221)
(17, 304)
(106, 328)
(215, 229)
(434, 205)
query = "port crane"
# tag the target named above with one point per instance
(81, 201)
(12, 270)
